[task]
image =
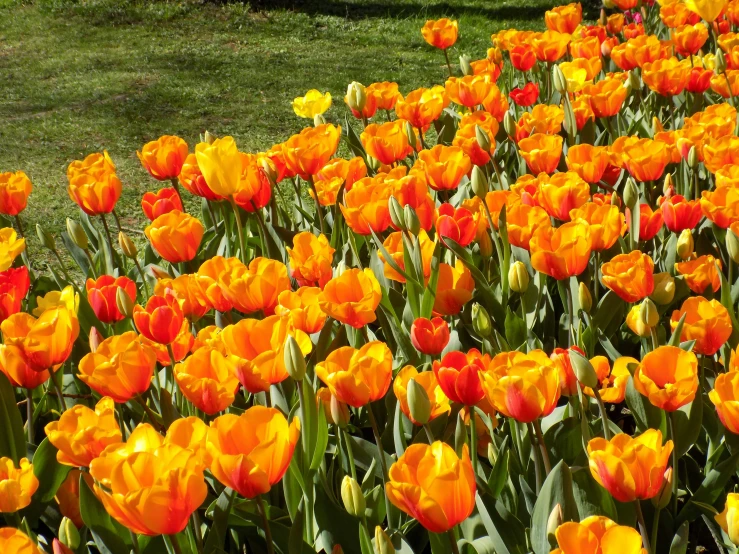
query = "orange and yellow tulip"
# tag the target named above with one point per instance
(522, 221)
(453, 289)
(302, 309)
(311, 258)
(175, 236)
(17, 485)
(420, 108)
(309, 151)
(541, 152)
(256, 287)
(15, 189)
(564, 19)
(161, 320)
(336, 174)
(606, 222)
(440, 33)
(706, 321)
(728, 520)
(444, 166)
(352, 297)
(15, 367)
(721, 205)
(667, 77)
(387, 142)
(430, 336)
(68, 496)
(630, 276)
(701, 273)
(725, 396)
(93, 184)
(471, 90)
(161, 202)
(208, 380)
(427, 380)
(163, 158)
(562, 252)
(192, 179)
(595, 535)
(668, 377)
(589, 162)
(562, 193)
(612, 380)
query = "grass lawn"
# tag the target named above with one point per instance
(87, 75)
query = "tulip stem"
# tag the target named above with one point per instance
(655, 527)
(473, 439)
(176, 187)
(58, 387)
(29, 414)
(349, 453)
(537, 460)
(429, 434)
(107, 233)
(449, 65)
(642, 526)
(675, 474)
(173, 542)
(570, 311)
(196, 526)
(239, 230)
(265, 522)
(135, 542)
(542, 446)
(381, 452)
(143, 278)
(170, 376)
(319, 213)
(603, 416)
(655, 338)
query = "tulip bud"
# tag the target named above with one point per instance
(553, 522)
(693, 159)
(685, 244)
(634, 81)
(45, 237)
(294, 359)
(58, 547)
(492, 453)
(351, 494)
(410, 134)
(570, 119)
(720, 62)
(583, 369)
(127, 246)
(383, 544)
(483, 138)
(68, 534)
(373, 163)
(668, 187)
(664, 495)
(356, 96)
(615, 200)
(608, 4)
(481, 323)
(657, 126)
(77, 234)
(339, 412)
(584, 298)
(124, 302)
(269, 170)
(412, 223)
(664, 289)
(732, 245)
(396, 213)
(209, 138)
(158, 272)
(340, 269)
(559, 80)
(518, 277)
(486, 245)
(337, 549)
(95, 339)
(509, 124)
(648, 313)
(631, 193)
(479, 182)
(603, 20)
(464, 65)
(418, 403)
(318, 120)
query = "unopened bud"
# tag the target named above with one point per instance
(77, 234)
(553, 522)
(603, 20)
(412, 223)
(518, 277)
(720, 62)
(693, 158)
(648, 313)
(615, 200)
(396, 213)
(668, 186)
(464, 64)
(486, 245)
(339, 412)
(631, 193)
(483, 138)
(383, 544)
(95, 339)
(634, 80)
(479, 183)
(159, 272)
(410, 134)
(657, 126)
(124, 302)
(418, 403)
(45, 237)
(356, 96)
(127, 246)
(318, 120)
(608, 4)
(481, 323)
(69, 536)
(583, 369)
(662, 500)
(492, 453)
(373, 163)
(732, 245)
(685, 244)
(584, 298)
(664, 289)
(509, 124)
(294, 359)
(351, 494)
(269, 169)
(559, 80)
(209, 138)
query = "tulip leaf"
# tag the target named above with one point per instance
(646, 415)
(499, 475)
(688, 421)
(557, 489)
(321, 439)
(295, 541)
(729, 305)
(609, 307)
(710, 490)
(365, 542)
(505, 531)
(429, 293)
(12, 438)
(335, 525)
(110, 536)
(515, 330)
(591, 498)
(677, 333)
(48, 471)
(679, 543)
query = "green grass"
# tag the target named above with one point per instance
(87, 75)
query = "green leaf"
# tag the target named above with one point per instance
(710, 490)
(729, 305)
(506, 533)
(646, 415)
(515, 330)
(499, 475)
(557, 489)
(688, 422)
(12, 437)
(591, 498)
(679, 543)
(219, 529)
(365, 542)
(109, 535)
(675, 338)
(321, 440)
(295, 542)
(48, 471)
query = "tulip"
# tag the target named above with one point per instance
(336, 174)
(180, 346)
(365, 207)
(456, 224)
(250, 453)
(606, 222)
(701, 273)
(68, 496)
(523, 57)
(302, 309)
(15, 367)
(563, 252)
(567, 378)
(161, 202)
(193, 180)
(255, 190)
(453, 288)
(438, 403)
(630, 468)
(596, 534)
(471, 90)
(121, 367)
(721, 206)
(689, 39)
(175, 236)
(386, 94)
(725, 396)
(707, 9)
(101, 294)
(525, 96)
(433, 485)
(541, 152)
(14, 191)
(387, 142)
(668, 376)
(650, 222)
(589, 162)
(518, 277)
(190, 290)
(312, 104)
(10, 247)
(550, 46)
(680, 214)
(564, 19)
(561, 193)
(93, 184)
(352, 297)
(707, 322)
(308, 152)
(17, 485)
(646, 159)
(543, 119)
(441, 33)
(208, 380)
(630, 276)
(430, 336)
(163, 158)
(420, 108)
(395, 246)
(727, 519)
(220, 165)
(256, 287)
(14, 541)
(161, 320)
(667, 77)
(81, 434)
(522, 222)
(444, 166)
(358, 377)
(459, 376)
(612, 381)
(14, 285)
(150, 486)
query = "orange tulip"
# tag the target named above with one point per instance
(420, 108)
(606, 97)
(163, 158)
(589, 162)
(208, 380)
(433, 485)
(564, 19)
(14, 285)
(541, 152)
(667, 77)
(523, 57)
(190, 433)
(646, 159)
(725, 396)
(650, 222)
(259, 346)
(689, 39)
(456, 224)
(101, 294)
(430, 336)
(161, 320)
(15, 367)
(543, 119)
(721, 205)
(192, 179)
(453, 289)
(17, 485)
(386, 142)
(150, 486)
(308, 152)
(630, 276)
(310, 259)
(386, 94)
(700, 80)
(676, 14)
(469, 91)
(14, 191)
(394, 246)
(16, 541)
(562, 252)
(412, 191)
(190, 291)
(680, 214)
(550, 46)
(596, 534)
(721, 152)
(352, 297)
(707, 322)
(630, 468)
(522, 221)
(336, 174)
(209, 279)
(444, 166)
(606, 222)
(161, 202)
(254, 191)
(459, 375)
(68, 496)
(256, 287)
(81, 434)
(93, 184)
(302, 309)
(175, 236)
(358, 377)
(561, 193)
(250, 453)
(700, 273)
(524, 387)
(668, 376)
(496, 104)
(612, 380)
(181, 346)
(427, 380)
(441, 33)
(567, 377)
(727, 85)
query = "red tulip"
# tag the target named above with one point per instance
(430, 336)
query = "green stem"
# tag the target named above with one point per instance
(135, 542)
(304, 440)
(318, 206)
(537, 460)
(603, 416)
(170, 377)
(452, 534)
(449, 65)
(655, 527)
(265, 522)
(542, 446)
(473, 438)
(143, 278)
(240, 230)
(642, 526)
(671, 421)
(29, 414)
(570, 311)
(107, 233)
(176, 187)
(174, 543)
(429, 434)
(58, 387)
(655, 338)
(92, 263)
(381, 452)
(350, 454)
